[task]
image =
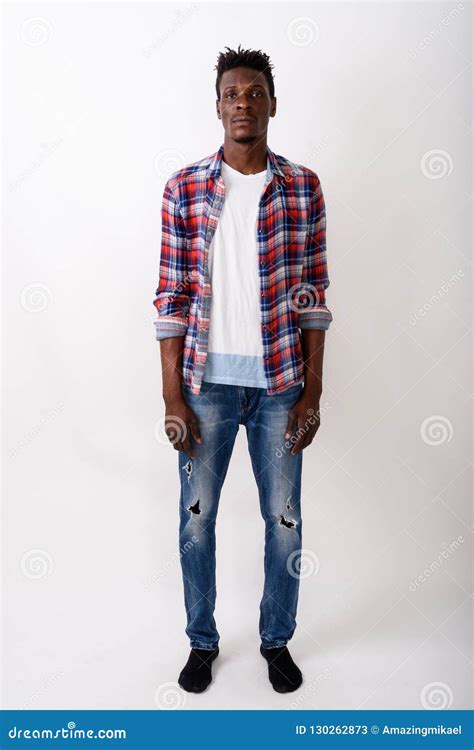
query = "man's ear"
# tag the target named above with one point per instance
(217, 109)
(273, 107)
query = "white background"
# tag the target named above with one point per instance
(101, 102)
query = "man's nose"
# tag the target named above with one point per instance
(243, 101)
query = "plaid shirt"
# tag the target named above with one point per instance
(291, 237)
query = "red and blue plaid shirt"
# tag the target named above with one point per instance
(291, 237)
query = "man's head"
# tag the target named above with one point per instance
(245, 93)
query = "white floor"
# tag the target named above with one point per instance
(98, 635)
(83, 663)
(99, 621)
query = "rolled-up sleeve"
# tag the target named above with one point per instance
(312, 309)
(172, 295)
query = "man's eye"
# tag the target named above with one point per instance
(232, 93)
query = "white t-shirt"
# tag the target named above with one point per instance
(235, 350)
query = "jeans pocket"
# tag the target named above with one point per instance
(292, 391)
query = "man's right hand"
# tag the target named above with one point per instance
(180, 420)
(180, 425)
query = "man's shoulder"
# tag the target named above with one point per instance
(190, 173)
(197, 170)
(293, 169)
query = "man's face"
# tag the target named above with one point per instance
(245, 105)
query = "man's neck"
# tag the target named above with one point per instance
(248, 158)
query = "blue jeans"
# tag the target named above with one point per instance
(220, 409)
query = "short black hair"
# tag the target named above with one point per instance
(245, 58)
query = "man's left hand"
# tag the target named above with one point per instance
(304, 419)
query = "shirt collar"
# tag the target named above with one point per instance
(214, 168)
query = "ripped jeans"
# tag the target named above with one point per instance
(220, 409)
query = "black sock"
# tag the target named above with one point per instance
(283, 673)
(196, 674)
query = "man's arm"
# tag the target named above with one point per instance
(313, 312)
(314, 318)
(313, 355)
(304, 417)
(172, 295)
(172, 303)
(180, 420)
(171, 352)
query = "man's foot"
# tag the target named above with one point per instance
(196, 674)
(283, 673)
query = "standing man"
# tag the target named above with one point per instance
(241, 322)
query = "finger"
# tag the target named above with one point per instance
(193, 425)
(302, 431)
(299, 441)
(314, 422)
(308, 439)
(290, 427)
(173, 434)
(179, 445)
